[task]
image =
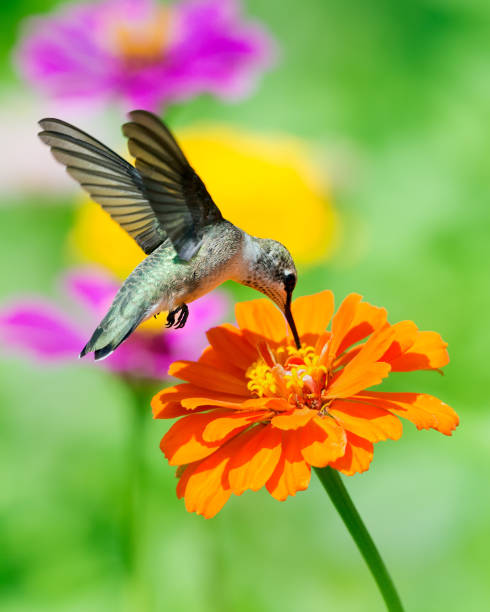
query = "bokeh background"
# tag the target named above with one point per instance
(392, 100)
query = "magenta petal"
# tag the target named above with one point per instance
(206, 312)
(207, 47)
(218, 52)
(39, 328)
(62, 56)
(91, 287)
(143, 355)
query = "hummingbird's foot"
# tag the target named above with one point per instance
(171, 318)
(183, 312)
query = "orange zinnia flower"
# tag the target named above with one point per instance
(258, 411)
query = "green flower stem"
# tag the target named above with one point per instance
(335, 488)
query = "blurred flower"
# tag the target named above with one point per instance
(269, 187)
(257, 411)
(26, 169)
(144, 53)
(38, 327)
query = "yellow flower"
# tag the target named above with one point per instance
(268, 186)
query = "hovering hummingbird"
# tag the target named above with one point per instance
(163, 204)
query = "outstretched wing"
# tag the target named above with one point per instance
(177, 195)
(109, 179)
(162, 197)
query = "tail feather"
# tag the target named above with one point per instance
(88, 348)
(106, 339)
(131, 305)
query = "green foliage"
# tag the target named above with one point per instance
(396, 95)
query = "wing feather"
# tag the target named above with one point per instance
(161, 197)
(178, 196)
(108, 178)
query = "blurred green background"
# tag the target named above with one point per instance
(397, 94)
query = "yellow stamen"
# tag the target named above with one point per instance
(262, 381)
(143, 41)
(297, 376)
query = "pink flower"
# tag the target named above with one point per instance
(144, 53)
(43, 330)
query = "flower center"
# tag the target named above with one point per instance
(143, 41)
(293, 374)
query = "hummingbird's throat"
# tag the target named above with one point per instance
(296, 375)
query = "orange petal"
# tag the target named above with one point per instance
(229, 342)
(202, 486)
(183, 473)
(278, 404)
(183, 442)
(312, 314)
(184, 398)
(321, 341)
(428, 352)
(207, 377)
(375, 346)
(357, 457)
(253, 463)
(346, 357)
(293, 419)
(425, 411)
(235, 403)
(259, 320)
(322, 441)
(404, 337)
(166, 403)
(342, 321)
(170, 410)
(369, 422)
(211, 357)
(351, 381)
(363, 371)
(292, 473)
(194, 404)
(367, 319)
(223, 426)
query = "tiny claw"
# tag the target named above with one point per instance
(183, 312)
(170, 319)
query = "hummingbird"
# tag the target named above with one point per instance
(164, 206)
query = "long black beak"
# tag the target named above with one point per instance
(290, 320)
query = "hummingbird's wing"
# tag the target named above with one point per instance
(161, 198)
(109, 179)
(175, 192)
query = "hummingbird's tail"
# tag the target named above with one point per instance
(110, 333)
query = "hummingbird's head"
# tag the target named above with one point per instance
(273, 273)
